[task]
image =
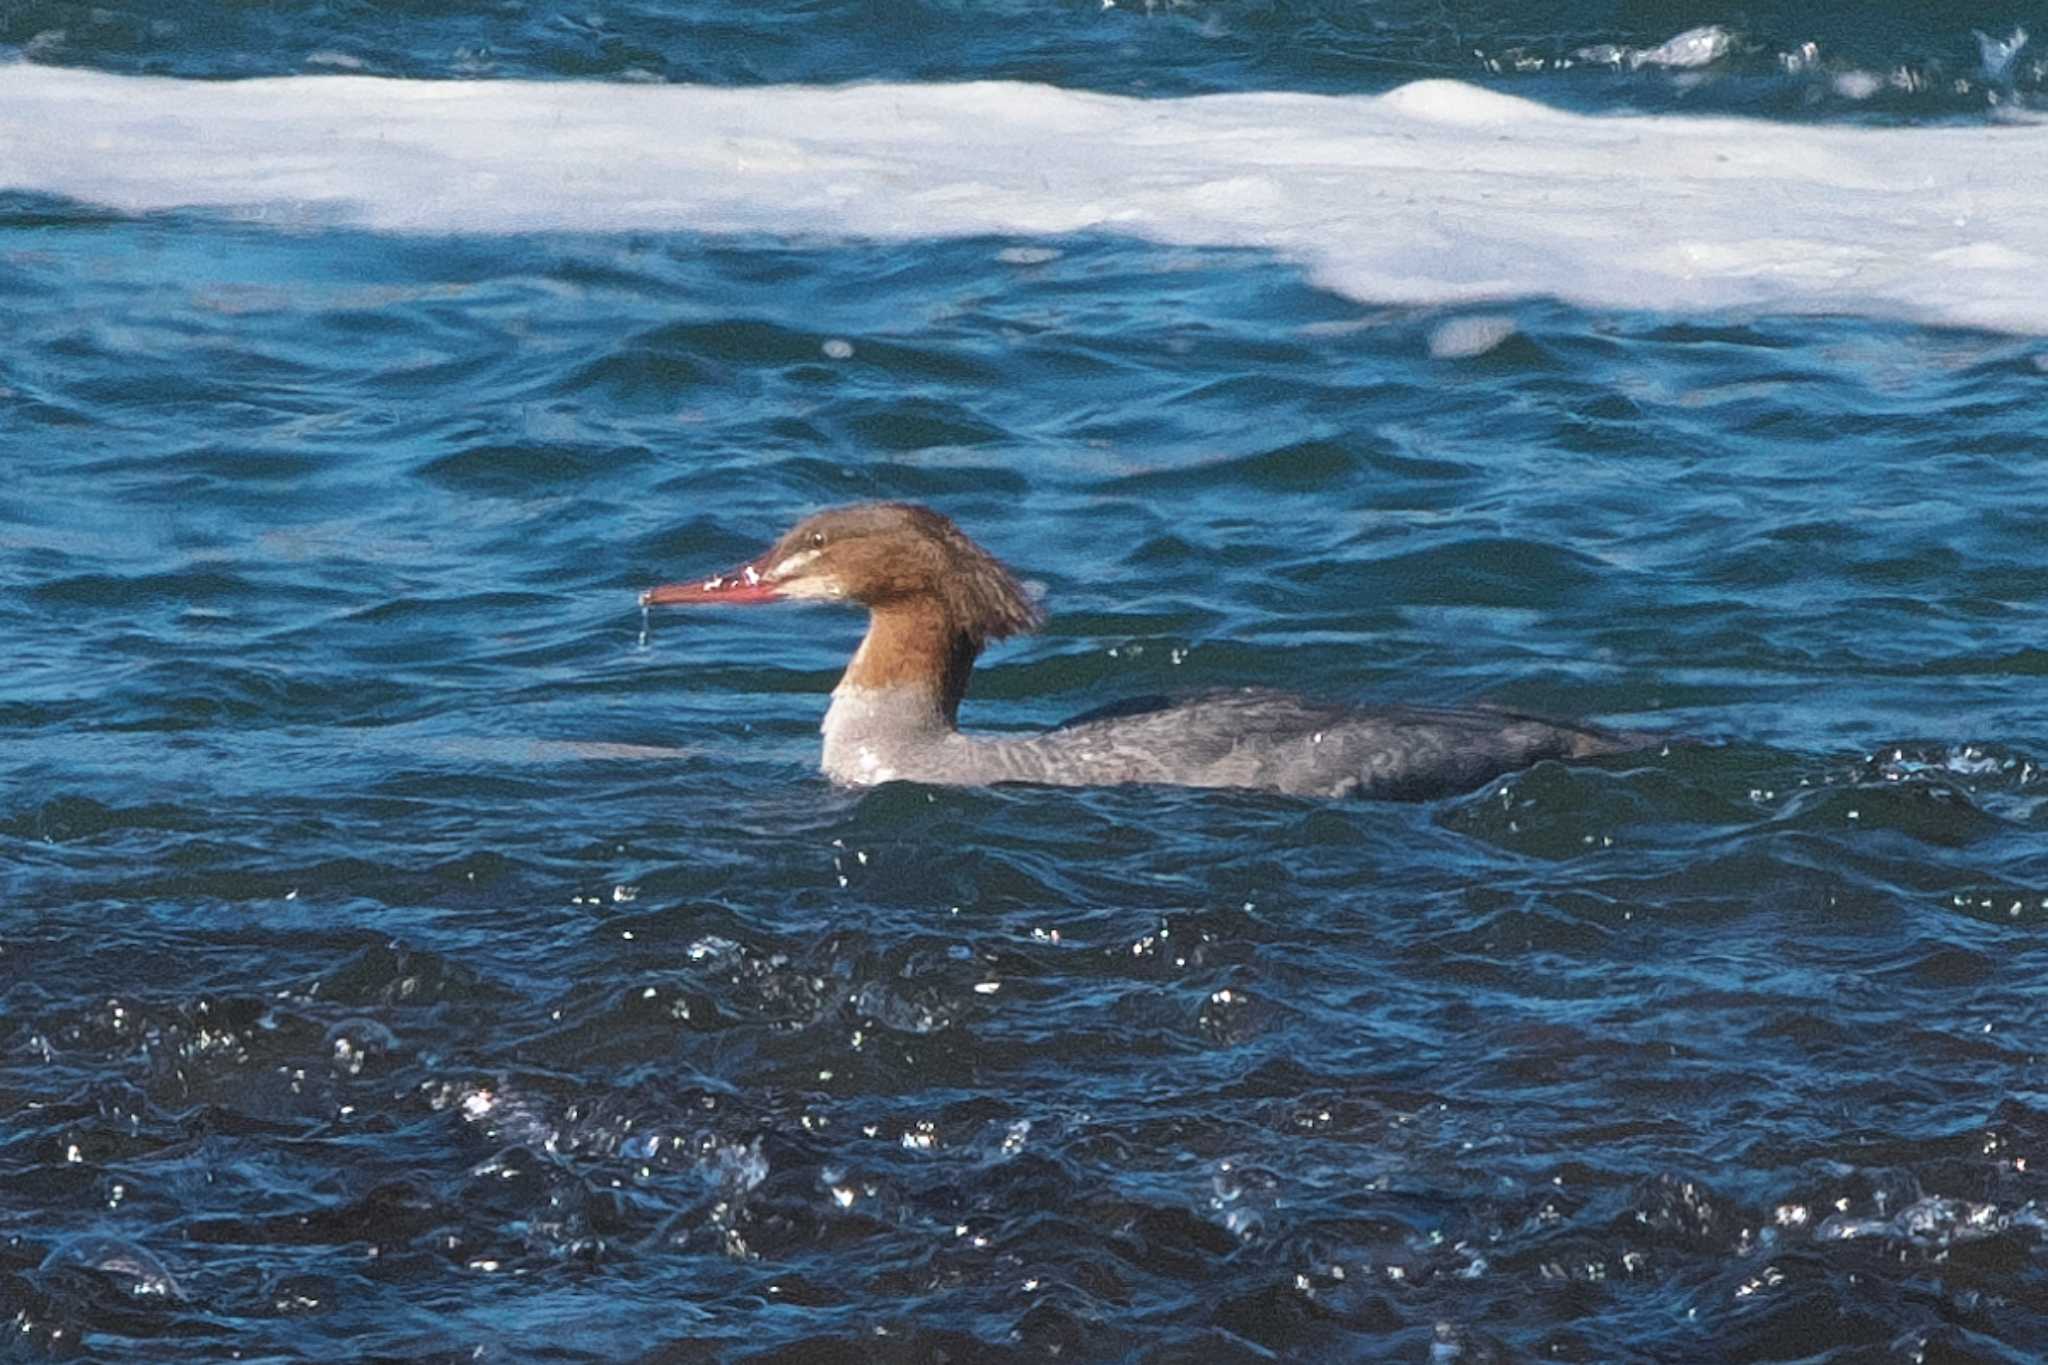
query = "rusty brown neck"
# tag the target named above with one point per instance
(915, 645)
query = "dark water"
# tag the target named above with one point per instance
(1902, 59)
(400, 961)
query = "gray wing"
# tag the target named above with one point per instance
(1281, 742)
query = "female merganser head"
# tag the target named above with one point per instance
(935, 599)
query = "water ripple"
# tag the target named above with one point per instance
(403, 959)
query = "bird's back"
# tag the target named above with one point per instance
(1278, 741)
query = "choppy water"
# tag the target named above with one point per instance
(1897, 59)
(398, 959)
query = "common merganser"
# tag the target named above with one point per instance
(935, 599)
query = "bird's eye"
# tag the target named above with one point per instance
(817, 540)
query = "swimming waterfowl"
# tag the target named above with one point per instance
(935, 599)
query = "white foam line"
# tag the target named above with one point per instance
(1434, 193)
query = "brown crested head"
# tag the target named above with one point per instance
(885, 556)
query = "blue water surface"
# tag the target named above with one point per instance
(1894, 59)
(403, 956)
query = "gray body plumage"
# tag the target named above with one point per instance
(1252, 738)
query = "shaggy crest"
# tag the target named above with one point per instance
(882, 554)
